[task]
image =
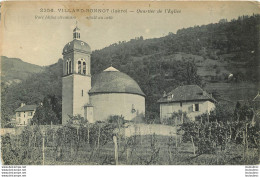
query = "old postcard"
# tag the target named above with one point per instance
(130, 83)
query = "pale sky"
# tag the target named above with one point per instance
(40, 41)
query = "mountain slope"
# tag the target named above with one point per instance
(15, 70)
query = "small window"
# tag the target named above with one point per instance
(70, 67)
(79, 67)
(196, 107)
(24, 122)
(82, 92)
(30, 113)
(133, 109)
(23, 114)
(84, 67)
(180, 104)
(19, 114)
(67, 66)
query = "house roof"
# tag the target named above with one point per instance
(186, 93)
(113, 81)
(26, 108)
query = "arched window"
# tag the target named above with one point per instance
(67, 66)
(79, 67)
(84, 67)
(70, 67)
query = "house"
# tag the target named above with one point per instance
(188, 98)
(97, 97)
(24, 114)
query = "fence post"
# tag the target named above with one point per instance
(116, 153)
(43, 139)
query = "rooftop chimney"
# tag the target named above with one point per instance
(164, 94)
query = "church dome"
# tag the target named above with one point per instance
(76, 45)
(113, 81)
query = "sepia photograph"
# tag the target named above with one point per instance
(130, 83)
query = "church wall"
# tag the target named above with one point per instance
(67, 97)
(81, 84)
(108, 104)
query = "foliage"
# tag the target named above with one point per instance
(221, 113)
(177, 118)
(47, 113)
(116, 119)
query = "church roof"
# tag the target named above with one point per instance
(186, 93)
(111, 68)
(113, 81)
(26, 108)
(77, 45)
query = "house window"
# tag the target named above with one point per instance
(196, 107)
(84, 67)
(30, 113)
(82, 92)
(133, 109)
(79, 67)
(180, 104)
(23, 114)
(19, 114)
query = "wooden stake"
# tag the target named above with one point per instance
(88, 133)
(176, 138)
(43, 150)
(98, 136)
(116, 151)
(127, 155)
(194, 152)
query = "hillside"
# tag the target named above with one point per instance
(32, 90)
(203, 55)
(216, 49)
(14, 70)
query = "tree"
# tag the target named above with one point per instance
(44, 114)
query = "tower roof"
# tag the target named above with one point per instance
(76, 45)
(112, 80)
(76, 29)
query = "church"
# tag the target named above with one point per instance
(96, 98)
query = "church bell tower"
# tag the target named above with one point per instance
(76, 80)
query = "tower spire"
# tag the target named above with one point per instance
(76, 32)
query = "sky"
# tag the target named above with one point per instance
(40, 41)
